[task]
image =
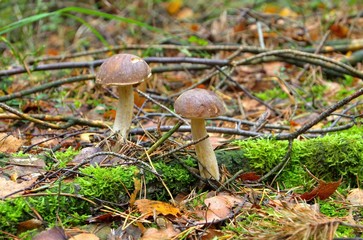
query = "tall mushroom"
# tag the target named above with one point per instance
(123, 71)
(198, 104)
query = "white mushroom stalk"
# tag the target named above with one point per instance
(124, 110)
(208, 165)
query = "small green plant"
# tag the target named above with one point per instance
(64, 157)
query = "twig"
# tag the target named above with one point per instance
(181, 147)
(315, 59)
(326, 113)
(162, 139)
(279, 167)
(27, 117)
(247, 92)
(162, 106)
(46, 86)
(317, 50)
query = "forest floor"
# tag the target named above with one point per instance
(289, 145)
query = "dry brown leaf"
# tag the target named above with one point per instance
(323, 190)
(8, 186)
(355, 196)
(218, 208)
(149, 207)
(249, 176)
(185, 13)
(55, 233)
(9, 144)
(29, 225)
(339, 30)
(159, 234)
(83, 236)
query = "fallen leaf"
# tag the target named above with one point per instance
(323, 190)
(168, 232)
(86, 152)
(149, 207)
(249, 176)
(173, 6)
(218, 208)
(82, 236)
(339, 30)
(355, 196)
(55, 233)
(185, 13)
(29, 225)
(287, 13)
(7, 186)
(121, 233)
(9, 143)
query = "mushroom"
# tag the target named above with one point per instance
(198, 104)
(123, 71)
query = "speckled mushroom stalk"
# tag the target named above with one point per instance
(198, 104)
(123, 71)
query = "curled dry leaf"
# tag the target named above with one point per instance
(323, 190)
(167, 232)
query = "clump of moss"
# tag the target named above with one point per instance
(110, 184)
(114, 184)
(50, 206)
(329, 158)
(176, 177)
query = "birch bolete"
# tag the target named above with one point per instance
(197, 105)
(123, 71)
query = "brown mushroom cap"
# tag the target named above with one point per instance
(199, 103)
(123, 69)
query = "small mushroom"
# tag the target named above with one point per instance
(197, 105)
(123, 71)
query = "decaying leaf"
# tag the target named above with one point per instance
(8, 186)
(149, 208)
(29, 225)
(55, 233)
(9, 143)
(167, 232)
(121, 233)
(82, 236)
(218, 208)
(249, 176)
(323, 190)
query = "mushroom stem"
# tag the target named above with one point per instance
(208, 165)
(124, 110)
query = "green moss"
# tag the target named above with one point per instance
(110, 184)
(12, 211)
(113, 184)
(175, 176)
(52, 208)
(329, 158)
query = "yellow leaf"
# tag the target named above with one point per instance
(149, 207)
(173, 7)
(288, 13)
